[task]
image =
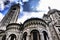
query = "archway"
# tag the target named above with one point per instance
(4, 37)
(12, 37)
(45, 35)
(35, 35)
(25, 36)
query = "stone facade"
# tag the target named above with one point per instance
(47, 28)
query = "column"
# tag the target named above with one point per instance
(28, 37)
(42, 36)
(28, 34)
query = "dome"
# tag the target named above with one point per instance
(33, 21)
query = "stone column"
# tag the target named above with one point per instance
(28, 37)
(31, 36)
(41, 36)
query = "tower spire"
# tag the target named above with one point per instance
(11, 16)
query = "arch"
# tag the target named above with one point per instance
(35, 35)
(12, 37)
(24, 35)
(45, 35)
(4, 37)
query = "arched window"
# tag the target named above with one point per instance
(4, 37)
(12, 37)
(45, 35)
(14, 9)
(25, 36)
(35, 35)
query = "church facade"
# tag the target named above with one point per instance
(47, 28)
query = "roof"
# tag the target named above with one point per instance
(34, 19)
(13, 24)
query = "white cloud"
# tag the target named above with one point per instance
(1, 5)
(28, 15)
(25, 0)
(44, 4)
(11, 0)
(1, 16)
(3, 0)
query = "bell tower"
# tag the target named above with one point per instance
(11, 16)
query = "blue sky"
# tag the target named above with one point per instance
(41, 7)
